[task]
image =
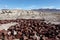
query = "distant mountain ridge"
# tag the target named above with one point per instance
(47, 10)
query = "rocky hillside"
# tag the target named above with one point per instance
(9, 14)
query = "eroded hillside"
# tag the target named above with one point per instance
(9, 14)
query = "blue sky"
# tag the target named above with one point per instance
(29, 4)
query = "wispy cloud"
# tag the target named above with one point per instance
(50, 7)
(31, 7)
(3, 6)
(38, 7)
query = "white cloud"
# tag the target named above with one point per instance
(38, 7)
(3, 6)
(57, 8)
(31, 7)
(28, 7)
(50, 7)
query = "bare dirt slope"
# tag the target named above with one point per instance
(7, 14)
